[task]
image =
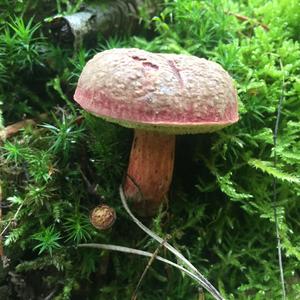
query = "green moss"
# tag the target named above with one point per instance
(221, 210)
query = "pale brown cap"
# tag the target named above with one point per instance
(166, 92)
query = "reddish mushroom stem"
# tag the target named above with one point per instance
(150, 170)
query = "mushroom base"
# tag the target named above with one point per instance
(150, 171)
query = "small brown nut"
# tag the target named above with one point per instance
(103, 217)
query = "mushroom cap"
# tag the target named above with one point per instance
(175, 94)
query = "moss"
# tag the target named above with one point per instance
(221, 205)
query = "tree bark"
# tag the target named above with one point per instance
(106, 18)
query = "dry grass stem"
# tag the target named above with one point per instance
(204, 282)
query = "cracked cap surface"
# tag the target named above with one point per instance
(170, 93)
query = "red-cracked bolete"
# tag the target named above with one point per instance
(159, 95)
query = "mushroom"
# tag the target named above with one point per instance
(159, 95)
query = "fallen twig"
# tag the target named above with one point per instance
(154, 255)
(204, 282)
(11, 220)
(247, 19)
(50, 296)
(142, 253)
(201, 295)
(13, 129)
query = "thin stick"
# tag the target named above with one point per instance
(201, 295)
(154, 255)
(279, 109)
(142, 253)
(12, 219)
(13, 129)
(246, 19)
(205, 283)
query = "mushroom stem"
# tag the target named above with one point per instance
(149, 171)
